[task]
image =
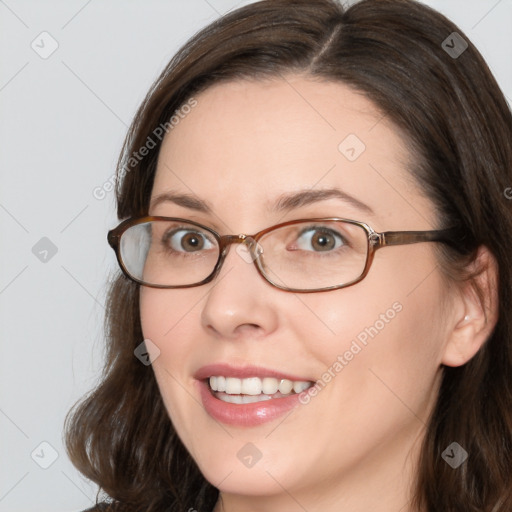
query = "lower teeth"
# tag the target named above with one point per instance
(246, 399)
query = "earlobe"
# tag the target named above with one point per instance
(476, 313)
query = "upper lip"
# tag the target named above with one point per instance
(243, 372)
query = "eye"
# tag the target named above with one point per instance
(319, 239)
(186, 240)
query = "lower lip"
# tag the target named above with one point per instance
(246, 415)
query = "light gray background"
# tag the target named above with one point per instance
(62, 123)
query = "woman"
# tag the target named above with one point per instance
(315, 248)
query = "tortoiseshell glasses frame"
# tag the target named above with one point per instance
(374, 241)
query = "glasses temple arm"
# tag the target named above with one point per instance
(412, 237)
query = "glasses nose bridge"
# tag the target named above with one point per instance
(226, 240)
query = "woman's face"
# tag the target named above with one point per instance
(376, 347)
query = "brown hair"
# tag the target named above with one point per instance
(460, 131)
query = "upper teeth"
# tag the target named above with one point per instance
(255, 385)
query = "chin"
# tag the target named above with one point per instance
(255, 481)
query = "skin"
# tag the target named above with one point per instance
(243, 145)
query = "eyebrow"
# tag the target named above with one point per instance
(305, 197)
(284, 202)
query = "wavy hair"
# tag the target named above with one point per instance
(459, 130)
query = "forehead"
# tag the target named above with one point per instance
(291, 118)
(251, 140)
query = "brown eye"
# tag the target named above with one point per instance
(318, 239)
(184, 240)
(322, 241)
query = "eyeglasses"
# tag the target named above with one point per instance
(305, 255)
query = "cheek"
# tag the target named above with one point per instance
(161, 312)
(170, 321)
(389, 325)
(166, 319)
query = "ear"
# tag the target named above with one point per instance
(475, 314)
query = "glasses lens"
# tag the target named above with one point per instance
(314, 255)
(168, 253)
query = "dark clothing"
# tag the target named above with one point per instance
(101, 507)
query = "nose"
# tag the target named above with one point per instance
(240, 302)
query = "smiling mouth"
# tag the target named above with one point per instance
(254, 389)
